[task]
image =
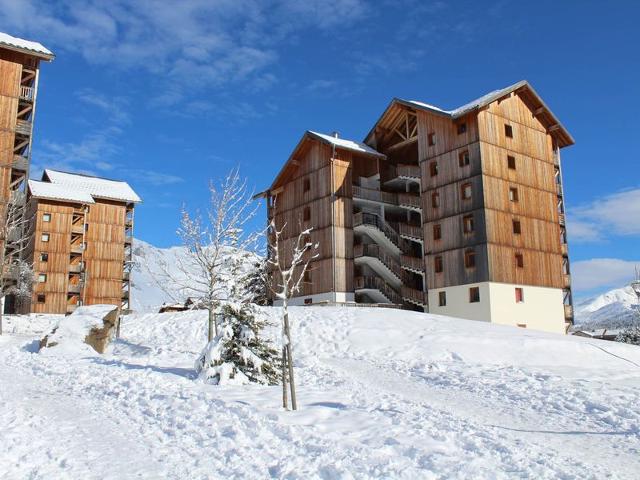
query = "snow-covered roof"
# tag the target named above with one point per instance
(95, 186)
(53, 191)
(346, 144)
(27, 46)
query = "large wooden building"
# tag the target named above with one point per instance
(458, 212)
(80, 241)
(19, 75)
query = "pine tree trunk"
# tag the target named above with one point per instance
(292, 385)
(285, 401)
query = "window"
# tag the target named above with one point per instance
(508, 130)
(469, 259)
(438, 264)
(467, 224)
(519, 295)
(435, 199)
(45, 237)
(465, 190)
(42, 277)
(511, 162)
(431, 139)
(474, 294)
(44, 257)
(462, 128)
(306, 214)
(442, 299)
(521, 325)
(46, 217)
(463, 158)
(41, 298)
(517, 229)
(519, 260)
(437, 232)
(306, 185)
(308, 301)
(307, 276)
(513, 194)
(433, 168)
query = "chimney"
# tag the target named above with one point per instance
(335, 135)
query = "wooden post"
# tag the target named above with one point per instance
(292, 385)
(285, 402)
(118, 326)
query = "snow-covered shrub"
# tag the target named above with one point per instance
(239, 354)
(630, 335)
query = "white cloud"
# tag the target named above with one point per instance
(616, 214)
(600, 273)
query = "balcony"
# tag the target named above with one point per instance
(559, 189)
(128, 239)
(561, 219)
(415, 296)
(27, 93)
(73, 288)
(125, 295)
(374, 195)
(413, 264)
(409, 200)
(564, 249)
(77, 228)
(75, 268)
(378, 253)
(20, 163)
(400, 174)
(568, 312)
(566, 281)
(23, 127)
(377, 289)
(412, 232)
(77, 248)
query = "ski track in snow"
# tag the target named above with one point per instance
(383, 393)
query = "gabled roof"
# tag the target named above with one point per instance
(52, 191)
(97, 187)
(26, 46)
(522, 88)
(341, 143)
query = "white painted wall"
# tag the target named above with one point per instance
(542, 308)
(332, 297)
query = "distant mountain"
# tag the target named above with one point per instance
(613, 309)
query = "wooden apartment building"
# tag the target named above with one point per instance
(458, 212)
(80, 241)
(19, 75)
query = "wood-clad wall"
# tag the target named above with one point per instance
(104, 255)
(58, 248)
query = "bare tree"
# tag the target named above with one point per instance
(16, 276)
(287, 278)
(212, 243)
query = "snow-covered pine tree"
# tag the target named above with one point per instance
(257, 282)
(239, 354)
(631, 334)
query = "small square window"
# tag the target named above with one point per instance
(517, 228)
(41, 298)
(464, 158)
(442, 299)
(433, 168)
(45, 237)
(435, 200)
(46, 217)
(466, 191)
(437, 231)
(438, 264)
(42, 277)
(44, 257)
(467, 224)
(306, 214)
(306, 185)
(511, 162)
(469, 259)
(513, 194)
(519, 295)
(307, 276)
(431, 139)
(519, 260)
(462, 128)
(508, 130)
(474, 294)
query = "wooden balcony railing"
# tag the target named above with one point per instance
(409, 199)
(20, 163)
(566, 280)
(564, 249)
(562, 219)
(73, 288)
(23, 127)
(27, 93)
(412, 263)
(568, 311)
(374, 195)
(410, 231)
(75, 268)
(408, 171)
(559, 189)
(377, 283)
(414, 295)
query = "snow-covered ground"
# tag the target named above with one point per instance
(383, 393)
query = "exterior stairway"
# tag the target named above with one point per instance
(381, 262)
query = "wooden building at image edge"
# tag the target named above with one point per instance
(455, 212)
(79, 241)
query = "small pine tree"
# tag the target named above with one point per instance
(256, 280)
(238, 354)
(630, 335)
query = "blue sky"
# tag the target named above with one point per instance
(167, 95)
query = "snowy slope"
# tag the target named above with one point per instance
(613, 309)
(383, 394)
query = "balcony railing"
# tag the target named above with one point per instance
(564, 249)
(77, 248)
(73, 288)
(561, 218)
(410, 231)
(375, 251)
(413, 295)
(414, 264)
(376, 283)
(566, 280)
(75, 268)
(23, 127)
(27, 93)
(559, 189)
(408, 171)
(126, 276)
(20, 163)
(128, 239)
(373, 220)
(374, 195)
(125, 294)
(568, 311)
(409, 199)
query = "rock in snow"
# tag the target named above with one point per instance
(382, 394)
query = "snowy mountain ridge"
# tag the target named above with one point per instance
(613, 309)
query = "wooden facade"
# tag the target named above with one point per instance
(453, 198)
